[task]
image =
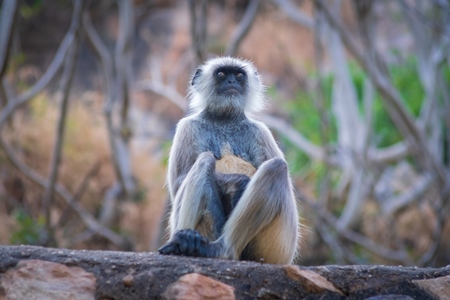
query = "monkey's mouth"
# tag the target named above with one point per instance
(231, 91)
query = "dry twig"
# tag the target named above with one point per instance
(243, 28)
(66, 81)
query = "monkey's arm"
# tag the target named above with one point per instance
(181, 159)
(266, 148)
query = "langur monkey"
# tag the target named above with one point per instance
(229, 183)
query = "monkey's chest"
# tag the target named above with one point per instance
(232, 164)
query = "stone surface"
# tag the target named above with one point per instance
(390, 297)
(195, 286)
(146, 275)
(312, 281)
(37, 279)
(438, 287)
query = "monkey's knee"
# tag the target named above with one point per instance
(206, 158)
(205, 163)
(272, 173)
(275, 166)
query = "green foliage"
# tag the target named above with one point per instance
(407, 81)
(30, 8)
(305, 117)
(28, 231)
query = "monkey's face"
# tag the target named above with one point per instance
(230, 81)
(226, 84)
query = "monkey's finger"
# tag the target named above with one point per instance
(197, 243)
(169, 248)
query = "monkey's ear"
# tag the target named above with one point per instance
(196, 75)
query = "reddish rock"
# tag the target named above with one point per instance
(438, 287)
(37, 279)
(196, 286)
(312, 281)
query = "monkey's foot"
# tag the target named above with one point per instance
(187, 242)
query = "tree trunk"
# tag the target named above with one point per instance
(28, 272)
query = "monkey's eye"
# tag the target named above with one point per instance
(221, 75)
(239, 76)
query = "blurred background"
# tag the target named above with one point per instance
(359, 90)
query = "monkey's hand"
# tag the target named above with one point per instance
(187, 242)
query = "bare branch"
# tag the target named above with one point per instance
(65, 87)
(243, 28)
(344, 98)
(313, 151)
(3, 94)
(103, 54)
(416, 192)
(79, 192)
(122, 56)
(294, 14)
(441, 212)
(49, 74)
(359, 189)
(337, 250)
(401, 117)
(431, 51)
(367, 131)
(389, 154)
(109, 204)
(324, 115)
(59, 138)
(368, 244)
(357, 238)
(166, 91)
(123, 75)
(107, 69)
(157, 86)
(198, 15)
(8, 14)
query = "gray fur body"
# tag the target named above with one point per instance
(264, 223)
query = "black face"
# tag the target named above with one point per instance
(230, 80)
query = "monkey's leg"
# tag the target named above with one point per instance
(197, 205)
(262, 226)
(264, 221)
